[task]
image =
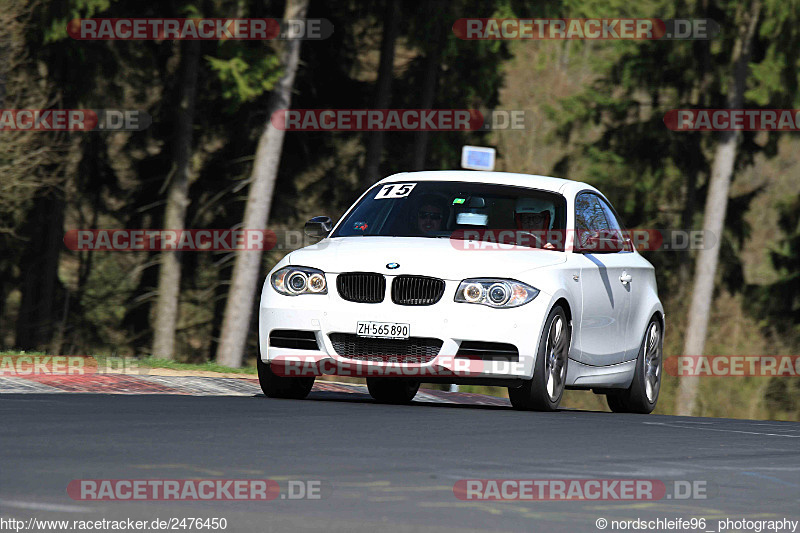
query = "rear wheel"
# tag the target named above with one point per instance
(392, 390)
(642, 395)
(543, 392)
(275, 386)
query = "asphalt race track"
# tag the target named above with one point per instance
(383, 468)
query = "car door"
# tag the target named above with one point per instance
(639, 272)
(605, 283)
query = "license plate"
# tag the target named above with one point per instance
(383, 330)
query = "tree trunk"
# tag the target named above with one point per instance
(40, 285)
(430, 82)
(246, 271)
(169, 274)
(383, 92)
(699, 100)
(714, 217)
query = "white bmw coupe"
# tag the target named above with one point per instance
(527, 282)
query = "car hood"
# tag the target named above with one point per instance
(441, 258)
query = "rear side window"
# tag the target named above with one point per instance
(589, 213)
(594, 218)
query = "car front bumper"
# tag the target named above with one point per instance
(450, 322)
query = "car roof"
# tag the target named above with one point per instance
(545, 183)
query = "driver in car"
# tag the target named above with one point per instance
(534, 215)
(429, 215)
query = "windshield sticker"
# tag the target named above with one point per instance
(459, 201)
(360, 225)
(395, 190)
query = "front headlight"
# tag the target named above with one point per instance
(292, 281)
(500, 293)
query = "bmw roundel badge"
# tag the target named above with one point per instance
(392, 266)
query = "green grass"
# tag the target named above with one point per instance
(208, 366)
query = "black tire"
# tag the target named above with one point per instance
(534, 394)
(615, 403)
(641, 397)
(275, 386)
(392, 390)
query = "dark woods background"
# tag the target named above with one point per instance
(598, 109)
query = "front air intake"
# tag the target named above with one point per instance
(417, 290)
(488, 351)
(411, 350)
(361, 287)
(294, 339)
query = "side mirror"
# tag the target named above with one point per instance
(318, 227)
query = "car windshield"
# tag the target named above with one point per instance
(453, 209)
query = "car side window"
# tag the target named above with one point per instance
(590, 218)
(613, 223)
(589, 213)
(617, 231)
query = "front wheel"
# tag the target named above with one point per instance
(275, 386)
(543, 392)
(392, 390)
(642, 395)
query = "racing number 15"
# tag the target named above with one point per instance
(395, 190)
